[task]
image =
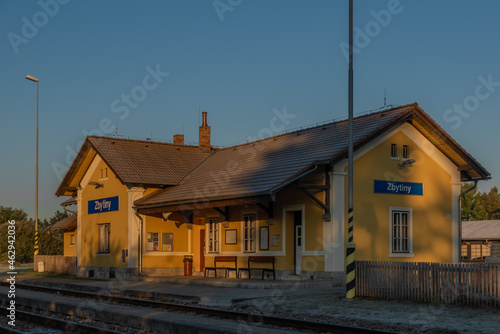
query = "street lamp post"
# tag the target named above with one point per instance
(351, 246)
(32, 78)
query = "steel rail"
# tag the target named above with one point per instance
(57, 323)
(258, 319)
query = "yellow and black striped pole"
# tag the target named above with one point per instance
(350, 260)
(36, 243)
(350, 247)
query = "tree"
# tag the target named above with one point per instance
(51, 242)
(8, 213)
(472, 208)
(491, 203)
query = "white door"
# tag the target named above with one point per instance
(298, 249)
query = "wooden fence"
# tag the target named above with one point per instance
(465, 284)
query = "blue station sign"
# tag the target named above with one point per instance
(103, 205)
(399, 188)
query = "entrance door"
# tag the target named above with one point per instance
(298, 249)
(202, 250)
(297, 222)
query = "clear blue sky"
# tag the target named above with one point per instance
(240, 59)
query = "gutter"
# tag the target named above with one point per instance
(274, 190)
(139, 245)
(67, 210)
(460, 217)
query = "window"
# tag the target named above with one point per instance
(167, 242)
(393, 150)
(401, 231)
(249, 233)
(213, 235)
(104, 173)
(464, 252)
(153, 242)
(406, 153)
(104, 238)
(72, 239)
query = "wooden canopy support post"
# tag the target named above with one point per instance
(268, 209)
(224, 213)
(188, 216)
(321, 187)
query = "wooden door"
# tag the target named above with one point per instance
(202, 250)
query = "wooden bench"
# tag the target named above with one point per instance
(226, 269)
(259, 259)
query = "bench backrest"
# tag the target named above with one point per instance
(225, 259)
(261, 259)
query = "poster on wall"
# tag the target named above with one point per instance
(150, 242)
(167, 242)
(153, 242)
(230, 237)
(264, 238)
(275, 240)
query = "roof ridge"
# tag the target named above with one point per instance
(327, 123)
(143, 141)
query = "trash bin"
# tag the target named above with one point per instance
(188, 265)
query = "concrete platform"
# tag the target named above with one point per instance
(205, 291)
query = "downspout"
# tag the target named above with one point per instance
(67, 210)
(460, 217)
(139, 248)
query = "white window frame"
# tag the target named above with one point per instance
(409, 253)
(406, 152)
(102, 248)
(253, 236)
(72, 239)
(394, 150)
(214, 242)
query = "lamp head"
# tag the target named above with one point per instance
(32, 78)
(96, 184)
(406, 163)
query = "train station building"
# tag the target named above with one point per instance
(143, 207)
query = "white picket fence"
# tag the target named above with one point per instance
(453, 283)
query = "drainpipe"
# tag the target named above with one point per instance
(139, 248)
(460, 217)
(68, 210)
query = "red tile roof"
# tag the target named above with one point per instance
(265, 166)
(135, 161)
(142, 161)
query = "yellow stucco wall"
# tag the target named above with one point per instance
(432, 228)
(118, 221)
(287, 201)
(69, 250)
(163, 258)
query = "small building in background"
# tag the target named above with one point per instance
(68, 224)
(480, 239)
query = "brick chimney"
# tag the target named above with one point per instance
(204, 134)
(179, 139)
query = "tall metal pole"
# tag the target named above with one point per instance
(32, 78)
(36, 200)
(350, 247)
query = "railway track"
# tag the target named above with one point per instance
(50, 322)
(295, 324)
